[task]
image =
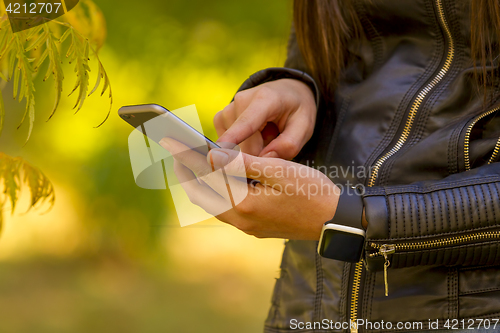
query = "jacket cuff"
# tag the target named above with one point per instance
(277, 73)
(376, 213)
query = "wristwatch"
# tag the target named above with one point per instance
(343, 237)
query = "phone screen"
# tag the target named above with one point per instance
(157, 123)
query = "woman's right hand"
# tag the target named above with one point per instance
(274, 119)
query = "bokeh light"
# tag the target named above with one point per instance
(109, 256)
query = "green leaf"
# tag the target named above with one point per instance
(16, 173)
(64, 36)
(11, 181)
(80, 53)
(33, 32)
(98, 80)
(12, 63)
(77, 84)
(30, 108)
(2, 76)
(41, 59)
(49, 71)
(39, 185)
(24, 87)
(102, 74)
(5, 37)
(7, 48)
(55, 67)
(16, 81)
(28, 91)
(71, 48)
(106, 85)
(40, 40)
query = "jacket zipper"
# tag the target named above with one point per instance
(420, 98)
(386, 249)
(404, 136)
(496, 152)
(467, 139)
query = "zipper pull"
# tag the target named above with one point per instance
(385, 250)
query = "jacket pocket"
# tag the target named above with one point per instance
(478, 248)
(436, 249)
(479, 291)
(479, 280)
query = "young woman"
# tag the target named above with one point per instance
(404, 92)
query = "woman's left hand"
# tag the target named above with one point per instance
(290, 200)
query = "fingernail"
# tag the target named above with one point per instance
(165, 143)
(217, 158)
(271, 154)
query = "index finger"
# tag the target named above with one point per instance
(249, 122)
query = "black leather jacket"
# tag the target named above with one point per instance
(407, 108)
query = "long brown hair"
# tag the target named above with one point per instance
(323, 28)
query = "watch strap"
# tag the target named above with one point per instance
(349, 209)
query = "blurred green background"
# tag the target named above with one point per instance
(109, 256)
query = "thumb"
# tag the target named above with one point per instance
(298, 130)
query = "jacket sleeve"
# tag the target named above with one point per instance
(452, 221)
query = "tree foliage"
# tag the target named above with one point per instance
(23, 53)
(77, 37)
(15, 172)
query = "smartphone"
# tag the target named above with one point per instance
(166, 124)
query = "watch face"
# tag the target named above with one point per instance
(341, 245)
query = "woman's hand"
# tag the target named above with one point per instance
(258, 115)
(289, 200)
